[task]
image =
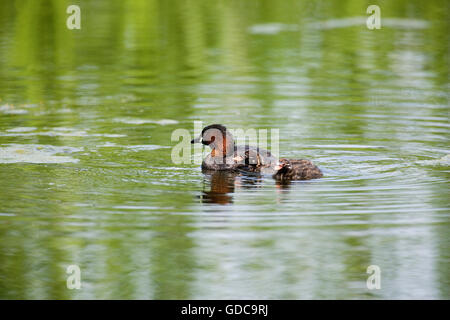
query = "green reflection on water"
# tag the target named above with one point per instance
(86, 118)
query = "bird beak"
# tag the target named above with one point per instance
(278, 166)
(196, 140)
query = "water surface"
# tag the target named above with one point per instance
(86, 118)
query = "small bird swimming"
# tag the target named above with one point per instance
(226, 155)
(293, 169)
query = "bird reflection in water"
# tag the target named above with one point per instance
(282, 184)
(223, 184)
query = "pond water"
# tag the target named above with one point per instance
(86, 118)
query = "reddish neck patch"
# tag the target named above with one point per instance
(220, 151)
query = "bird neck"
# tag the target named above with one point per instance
(223, 148)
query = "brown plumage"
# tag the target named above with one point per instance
(226, 156)
(292, 169)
